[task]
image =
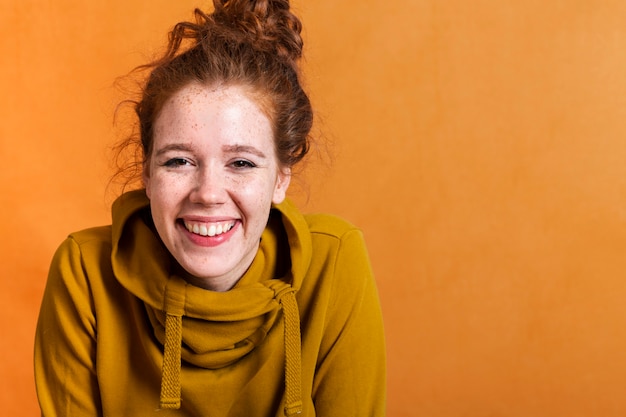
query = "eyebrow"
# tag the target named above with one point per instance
(174, 147)
(243, 149)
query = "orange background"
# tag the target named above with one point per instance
(481, 146)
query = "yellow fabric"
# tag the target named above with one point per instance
(174, 309)
(114, 311)
(293, 362)
(170, 384)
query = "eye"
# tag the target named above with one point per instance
(176, 162)
(243, 163)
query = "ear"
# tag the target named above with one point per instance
(145, 175)
(282, 184)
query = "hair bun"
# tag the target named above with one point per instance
(268, 25)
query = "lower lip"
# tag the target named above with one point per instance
(209, 241)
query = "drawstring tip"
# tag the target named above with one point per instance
(293, 408)
(170, 404)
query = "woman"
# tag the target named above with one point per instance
(211, 294)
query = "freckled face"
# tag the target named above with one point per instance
(211, 179)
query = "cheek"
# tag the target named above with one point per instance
(164, 195)
(260, 192)
(254, 198)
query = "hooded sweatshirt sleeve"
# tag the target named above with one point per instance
(351, 377)
(65, 340)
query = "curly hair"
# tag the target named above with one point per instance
(255, 44)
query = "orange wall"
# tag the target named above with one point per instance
(481, 145)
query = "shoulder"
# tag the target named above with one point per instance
(338, 241)
(318, 233)
(85, 245)
(82, 257)
(330, 225)
(93, 236)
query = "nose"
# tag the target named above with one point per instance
(209, 188)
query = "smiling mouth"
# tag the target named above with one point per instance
(209, 229)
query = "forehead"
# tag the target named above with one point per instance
(197, 97)
(225, 110)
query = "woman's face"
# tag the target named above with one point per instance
(211, 178)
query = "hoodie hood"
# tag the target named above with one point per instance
(238, 320)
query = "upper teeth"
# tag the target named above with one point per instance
(212, 229)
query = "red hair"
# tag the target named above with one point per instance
(253, 44)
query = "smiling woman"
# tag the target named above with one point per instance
(224, 177)
(210, 293)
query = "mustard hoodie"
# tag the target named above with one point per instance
(120, 334)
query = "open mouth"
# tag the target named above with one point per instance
(209, 229)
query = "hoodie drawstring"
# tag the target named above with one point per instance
(293, 360)
(174, 299)
(171, 372)
(170, 382)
